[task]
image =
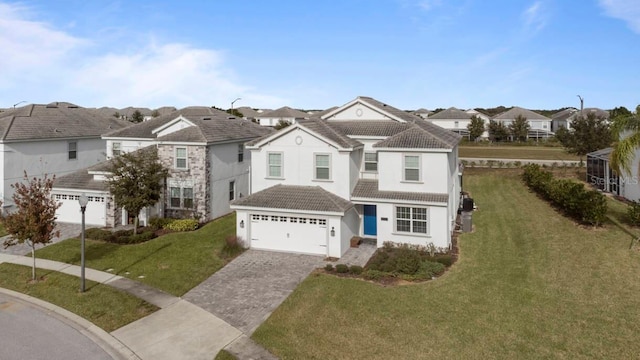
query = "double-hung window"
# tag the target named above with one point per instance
(411, 168)
(181, 158)
(274, 165)
(411, 220)
(371, 161)
(322, 167)
(240, 153)
(232, 190)
(116, 149)
(181, 197)
(73, 150)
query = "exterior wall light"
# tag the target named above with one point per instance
(333, 231)
(241, 224)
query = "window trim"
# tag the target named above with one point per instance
(113, 148)
(74, 151)
(370, 162)
(315, 167)
(232, 190)
(412, 220)
(405, 168)
(186, 157)
(181, 197)
(269, 165)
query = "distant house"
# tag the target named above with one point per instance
(539, 125)
(202, 147)
(455, 120)
(363, 169)
(271, 118)
(248, 113)
(565, 118)
(423, 113)
(54, 139)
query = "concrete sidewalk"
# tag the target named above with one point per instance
(179, 330)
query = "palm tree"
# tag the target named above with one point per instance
(626, 130)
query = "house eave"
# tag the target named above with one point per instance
(288, 211)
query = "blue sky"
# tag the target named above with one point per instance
(537, 54)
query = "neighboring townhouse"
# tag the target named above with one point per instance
(203, 149)
(565, 118)
(285, 113)
(364, 169)
(423, 113)
(539, 125)
(456, 120)
(54, 139)
(248, 113)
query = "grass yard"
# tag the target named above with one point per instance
(529, 284)
(104, 306)
(516, 152)
(174, 262)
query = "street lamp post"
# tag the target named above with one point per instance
(83, 200)
(233, 103)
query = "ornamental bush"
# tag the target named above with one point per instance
(98, 234)
(182, 225)
(633, 213)
(342, 269)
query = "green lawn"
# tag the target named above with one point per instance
(104, 306)
(3, 231)
(529, 284)
(516, 152)
(174, 263)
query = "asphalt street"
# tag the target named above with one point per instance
(30, 332)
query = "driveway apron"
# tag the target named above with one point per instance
(247, 290)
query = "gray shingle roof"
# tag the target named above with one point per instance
(369, 127)
(325, 129)
(390, 109)
(284, 112)
(211, 126)
(515, 111)
(55, 120)
(451, 114)
(83, 180)
(414, 137)
(368, 189)
(305, 198)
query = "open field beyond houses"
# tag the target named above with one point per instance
(529, 284)
(516, 152)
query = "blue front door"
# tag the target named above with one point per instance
(370, 220)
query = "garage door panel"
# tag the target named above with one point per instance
(69, 210)
(291, 234)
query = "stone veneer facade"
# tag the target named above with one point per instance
(196, 173)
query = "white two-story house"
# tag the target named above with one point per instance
(364, 169)
(203, 149)
(53, 139)
(539, 125)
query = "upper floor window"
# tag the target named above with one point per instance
(370, 161)
(323, 167)
(411, 168)
(232, 190)
(116, 149)
(274, 165)
(73, 150)
(240, 152)
(456, 124)
(181, 158)
(411, 220)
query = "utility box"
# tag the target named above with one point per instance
(467, 204)
(466, 221)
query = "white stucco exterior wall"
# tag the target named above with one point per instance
(438, 232)
(224, 168)
(127, 145)
(434, 168)
(359, 111)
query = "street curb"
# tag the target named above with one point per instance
(106, 341)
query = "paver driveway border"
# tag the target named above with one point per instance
(248, 289)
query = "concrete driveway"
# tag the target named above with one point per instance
(246, 291)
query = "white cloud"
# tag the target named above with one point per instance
(41, 64)
(535, 18)
(625, 10)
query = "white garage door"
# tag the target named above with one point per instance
(69, 211)
(305, 235)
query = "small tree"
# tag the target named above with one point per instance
(137, 117)
(588, 133)
(475, 127)
(35, 221)
(235, 112)
(281, 124)
(155, 113)
(116, 115)
(498, 131)
(519, 128)
(136, 181)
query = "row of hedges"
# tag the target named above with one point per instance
(123, 237)
(174, 224)
(584, 205)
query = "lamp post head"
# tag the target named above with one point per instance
(83, 200)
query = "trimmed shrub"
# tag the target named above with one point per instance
(586, 206)
(407, 261)
(135, 239)
(98, 234)
(375, 274)
(355, 269)
(182, 225)
(232, 246)
(159, 223)
(445, 259)
(342, 269)
(328, 267)
(633, 213)
(430, 268)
